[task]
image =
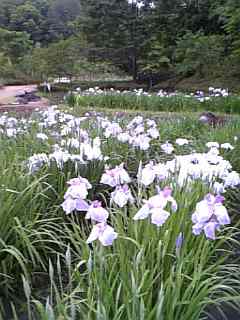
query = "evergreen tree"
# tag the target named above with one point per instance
(123, 30)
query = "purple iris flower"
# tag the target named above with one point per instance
(209, 216)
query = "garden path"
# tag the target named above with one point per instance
(9, 92)
(8, 98)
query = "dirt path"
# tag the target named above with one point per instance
(8, 99)
(9, 92)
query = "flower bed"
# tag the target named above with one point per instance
(111, 217)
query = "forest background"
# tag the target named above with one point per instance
(161, 41)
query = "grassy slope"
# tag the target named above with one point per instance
(192, 84)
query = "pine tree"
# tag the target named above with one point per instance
(119, 30)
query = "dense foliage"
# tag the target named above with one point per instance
(150, 40)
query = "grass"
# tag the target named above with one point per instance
(47, 271)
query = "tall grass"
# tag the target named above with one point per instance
(179, 103)
(142, 276)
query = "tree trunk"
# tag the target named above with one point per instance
(134, 67)
(150, 82)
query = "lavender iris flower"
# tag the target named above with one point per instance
(104, 233)
(97, 213)
(155, 205)
(122, 195)
(116, 176)
(75, 195)
(210, 214)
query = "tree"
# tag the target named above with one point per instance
(26, 18)
(60, 16)
(63, 57)
(197, 53)
(14, 44)
(6, 67)
(137, 36)
(7, 7)
(122, 30)
(232, 22)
